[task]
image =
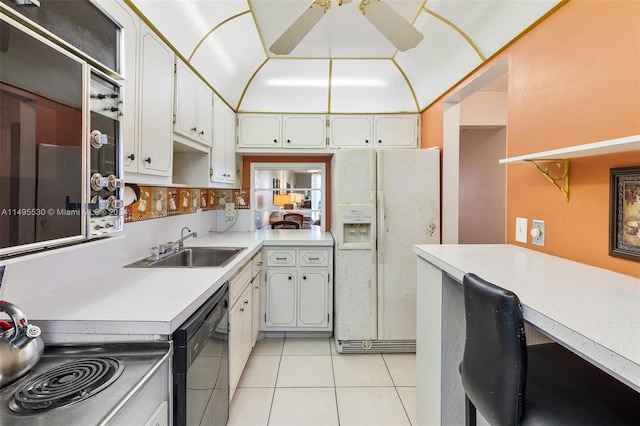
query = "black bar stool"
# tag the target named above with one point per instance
(512, 384)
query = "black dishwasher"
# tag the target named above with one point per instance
(201, 365)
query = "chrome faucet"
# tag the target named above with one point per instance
(166, 248)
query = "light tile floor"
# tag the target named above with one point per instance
(304, 382)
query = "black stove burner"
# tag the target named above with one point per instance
(66, 384)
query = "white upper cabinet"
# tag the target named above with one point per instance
(308, 133)
(156, 105)
(287, 133)
(259, 131)
(375, 131)
(224, 139)
(351, 131)
(193, 106)
(147, 96)
(304, 131)
(396, 131)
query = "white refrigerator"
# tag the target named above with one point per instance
(383, 202)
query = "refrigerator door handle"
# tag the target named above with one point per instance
(381, 230)
(380, 251)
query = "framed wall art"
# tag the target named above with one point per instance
(624, 222)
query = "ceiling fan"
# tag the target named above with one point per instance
(386, 20)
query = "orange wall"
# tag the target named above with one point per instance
(573, 79)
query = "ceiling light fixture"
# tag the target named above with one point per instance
(318, 82)
(382, 16)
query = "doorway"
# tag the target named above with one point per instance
(473, 182)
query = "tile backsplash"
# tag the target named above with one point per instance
(150, 202)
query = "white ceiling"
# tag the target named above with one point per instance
(343, 65)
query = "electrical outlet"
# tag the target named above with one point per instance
(229, 209)
(522, 225)
(537, 232)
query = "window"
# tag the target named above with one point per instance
(281, 188)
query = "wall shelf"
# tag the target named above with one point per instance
(560, 158)
(629, 143)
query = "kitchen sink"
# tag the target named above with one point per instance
(192, 257)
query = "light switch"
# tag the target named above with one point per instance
(537, 232)
(522, 225)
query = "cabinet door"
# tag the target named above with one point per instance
(304, 131)
(396, 131)
(247, 323)
(156, 105)
(224, 139)
(260, 130)
(185, 101)
(255, 314)
(235, 347)
(351, 131)
(130, 22)
(313, 306)
(280, 298)
(204, 112)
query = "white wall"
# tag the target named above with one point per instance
(33, 276)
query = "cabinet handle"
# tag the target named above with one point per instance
(304, 277)
(275, 141)
(288, 140)
(366, 141)
(379, 141)
(131, 157)
(290, 277)
(281, 258)
(259, 264)
(241, 309)
(202, 132)
(148, 160)
(193, 129)
(314, 258)
(246, 302)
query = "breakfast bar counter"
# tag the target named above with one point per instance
(592, 311)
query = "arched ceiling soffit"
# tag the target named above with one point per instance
(343, 64)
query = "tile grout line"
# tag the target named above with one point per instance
(273, 395)
(396, 389)
(335, 386)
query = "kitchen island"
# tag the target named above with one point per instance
(591, 311)
(137, 304)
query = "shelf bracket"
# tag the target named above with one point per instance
(563, 168)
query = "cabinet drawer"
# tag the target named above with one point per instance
(256, 264)
(238, 282)
(286, 257)
(314, 257)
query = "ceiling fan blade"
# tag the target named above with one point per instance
(391, 24)
(293, 35)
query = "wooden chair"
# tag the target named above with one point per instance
(511, 383)
(295, 217)
(285, 224)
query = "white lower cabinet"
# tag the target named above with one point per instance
(244, 315)
(256, 288)
(298, 289)
(240, 323)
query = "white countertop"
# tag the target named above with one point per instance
(148, 303)
(594, 311)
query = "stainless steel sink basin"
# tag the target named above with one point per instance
(192, 257)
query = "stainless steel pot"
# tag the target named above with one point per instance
(20, 346)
